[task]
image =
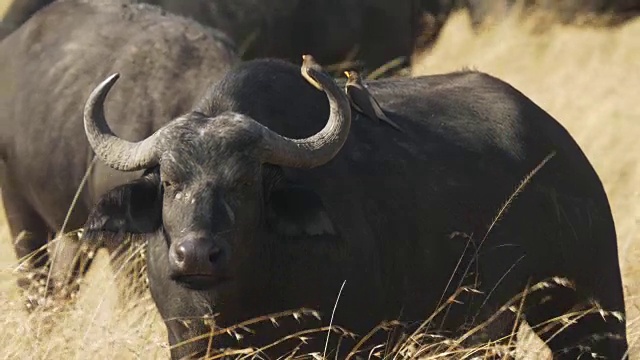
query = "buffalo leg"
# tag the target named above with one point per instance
(28, 230)
(30, 234)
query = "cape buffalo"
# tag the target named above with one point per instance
(56, 58)
(253, 203)
(374, 32)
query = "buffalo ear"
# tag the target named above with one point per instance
(293, 210)
(133, 208)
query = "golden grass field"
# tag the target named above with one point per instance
(588, 79)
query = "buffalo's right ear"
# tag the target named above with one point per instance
(133, 208)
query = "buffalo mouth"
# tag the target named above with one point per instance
(200, 281)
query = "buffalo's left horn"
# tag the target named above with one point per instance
(320, 148)
(118, 153)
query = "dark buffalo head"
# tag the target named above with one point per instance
(204, 177)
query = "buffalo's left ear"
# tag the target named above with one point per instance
(293, 210)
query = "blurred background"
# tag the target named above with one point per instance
(578, 59)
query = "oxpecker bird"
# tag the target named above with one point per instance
(363, 101)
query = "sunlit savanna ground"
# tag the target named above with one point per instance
(589, 79)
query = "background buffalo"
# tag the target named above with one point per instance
(362, 34)
(174, 58)
(369, 33)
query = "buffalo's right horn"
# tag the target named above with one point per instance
(320, 148)
(118, 153)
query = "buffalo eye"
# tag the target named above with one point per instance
(167, 184)
(171, 186)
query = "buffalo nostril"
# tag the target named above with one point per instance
(180, 254)
(215, 254)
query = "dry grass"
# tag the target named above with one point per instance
(588, 79)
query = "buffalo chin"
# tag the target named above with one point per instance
(199, 281)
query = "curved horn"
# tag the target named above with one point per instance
(118, 153)
(320, 148)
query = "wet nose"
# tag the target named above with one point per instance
(197, 256)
